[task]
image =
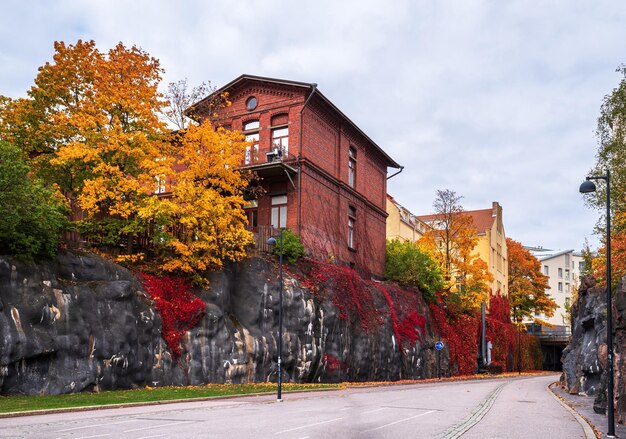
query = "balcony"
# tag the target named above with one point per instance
(277, 163)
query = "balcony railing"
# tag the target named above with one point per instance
(261, 235)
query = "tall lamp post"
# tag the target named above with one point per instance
(585, 188)
(272, 241)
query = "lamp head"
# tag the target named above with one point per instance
(271, 241)
(587, 187)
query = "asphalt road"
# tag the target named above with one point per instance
(490, 408)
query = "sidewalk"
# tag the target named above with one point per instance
(583, 405)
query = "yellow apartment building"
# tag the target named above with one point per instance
(491, 246)
(402, 224)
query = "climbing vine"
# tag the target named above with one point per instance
(179, 309)
(357, 299)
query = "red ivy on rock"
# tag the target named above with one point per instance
(508, 343)
(356, 298)
(179, 309)
(352, 295)
(333, 363)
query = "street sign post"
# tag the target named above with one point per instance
(439, 346)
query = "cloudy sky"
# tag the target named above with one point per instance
(496, 100)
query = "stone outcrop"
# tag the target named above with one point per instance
(82, 323)
(585, 358)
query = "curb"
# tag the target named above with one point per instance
(211, 398)
(587, 427)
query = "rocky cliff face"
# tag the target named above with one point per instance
(80, 323)
(585, 358)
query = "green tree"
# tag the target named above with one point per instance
(611, 154)
(411, 265)
(32, 215)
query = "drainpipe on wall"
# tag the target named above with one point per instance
(396, 173)
(313, 89)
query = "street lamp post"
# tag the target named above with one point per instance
(586, 187)
(272, 241)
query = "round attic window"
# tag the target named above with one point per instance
(251, 103)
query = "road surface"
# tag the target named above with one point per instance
(488, 408)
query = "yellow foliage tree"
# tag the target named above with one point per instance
(203, 223)
(452, 240)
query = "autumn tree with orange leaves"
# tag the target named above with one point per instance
(91, 126)
(452, 240)
(618, 253)
(527, 284)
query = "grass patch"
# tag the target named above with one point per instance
(13, 404)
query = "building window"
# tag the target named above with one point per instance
(546, 270)
(581, 266)
(279, 211)
(560, 287)
(251, 129)
(560, 272)
(351, 167)
(280, 141)
(159, 184)
(351, 224)
(567, 302)
(251, 103)
(251, 208)
(566, 274)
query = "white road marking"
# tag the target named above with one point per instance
(309, 425)
(154, 426)
(150, 437)
(97, 435)
(401, 420)
(345, 408)
(94, 425)
(374, 411)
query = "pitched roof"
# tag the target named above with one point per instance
(481, 219)
(313, 89)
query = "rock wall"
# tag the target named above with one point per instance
(82, 323)
(585, 358)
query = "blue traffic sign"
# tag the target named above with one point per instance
(439, 345)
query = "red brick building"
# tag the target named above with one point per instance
(322, 177)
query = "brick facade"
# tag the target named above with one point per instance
(314, 170)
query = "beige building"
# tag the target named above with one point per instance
(491, 246)
(563, 270)
(402, 224)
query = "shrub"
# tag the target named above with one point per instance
(292, 247)
(410, 265)
(32, 216)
